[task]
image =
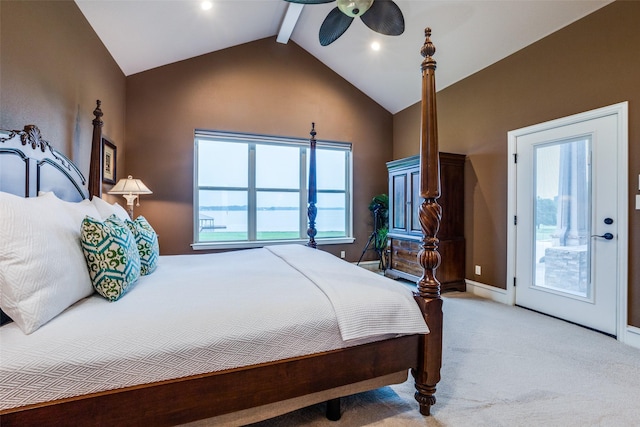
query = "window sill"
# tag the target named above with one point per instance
(247, 245)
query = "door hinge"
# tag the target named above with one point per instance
(515, 220)
(514, 282)
(515, 157)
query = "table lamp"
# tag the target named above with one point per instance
(130, 188)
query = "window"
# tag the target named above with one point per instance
(251, 190)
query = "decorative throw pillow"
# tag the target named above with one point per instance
(106, 209)
(112, 256)
(147, 241)
(42, 269)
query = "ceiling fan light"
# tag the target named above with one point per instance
(354, 8)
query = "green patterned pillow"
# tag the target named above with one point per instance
(147, 241)
(112, 256)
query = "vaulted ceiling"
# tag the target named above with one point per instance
(469, 35)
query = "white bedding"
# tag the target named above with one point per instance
(388, 307)
(192, 316)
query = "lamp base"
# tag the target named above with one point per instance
(130, 199)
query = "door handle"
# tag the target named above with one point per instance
(607, 236)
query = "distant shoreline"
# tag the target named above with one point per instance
(244, 208)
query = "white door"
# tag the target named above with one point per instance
(567, 218)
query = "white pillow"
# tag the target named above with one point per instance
(42, 268)
(106, 209)
(121, 212)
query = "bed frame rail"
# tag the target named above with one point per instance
(202, 396)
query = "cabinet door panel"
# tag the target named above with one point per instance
(416, 201)
(452, 256)
(452, 198)
(399, 191)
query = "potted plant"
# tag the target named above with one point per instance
(379, 208)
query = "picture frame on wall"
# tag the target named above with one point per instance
(109, 152)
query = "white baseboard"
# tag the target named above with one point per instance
(486, 291)
(631, 336)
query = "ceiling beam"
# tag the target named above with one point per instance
(289, 22)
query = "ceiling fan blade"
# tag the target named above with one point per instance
(310, 1)
(384, 17)
(334, 25)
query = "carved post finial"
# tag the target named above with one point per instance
(427, 51)
(98, 114)
(312, 210)
(95, 166)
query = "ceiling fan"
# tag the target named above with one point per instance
(382, 16)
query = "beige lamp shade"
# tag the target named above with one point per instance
(130, 185)
(130, 188)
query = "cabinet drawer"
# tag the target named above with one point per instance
(405, 248)
(407, 267)
(404, 256)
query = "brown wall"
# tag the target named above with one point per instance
(53, 68)
(592, 63)
(261, 87)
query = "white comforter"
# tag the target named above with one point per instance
(204, 313)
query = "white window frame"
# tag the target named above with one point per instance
(304, 221)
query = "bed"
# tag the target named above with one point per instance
(152, 362)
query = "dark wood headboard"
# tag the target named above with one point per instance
(28, 165)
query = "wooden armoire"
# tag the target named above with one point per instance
(405, 233)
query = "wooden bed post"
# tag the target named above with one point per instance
(427, 375)
(312, 211)
(95, 167)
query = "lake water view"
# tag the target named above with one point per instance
(283, 222)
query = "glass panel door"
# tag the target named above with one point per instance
(566, 220)
(562, 212)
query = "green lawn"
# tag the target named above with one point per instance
(226, 236)
(544, 232)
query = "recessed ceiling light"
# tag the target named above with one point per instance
(206, 5)
(375, 46)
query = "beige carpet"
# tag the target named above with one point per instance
(506, 366)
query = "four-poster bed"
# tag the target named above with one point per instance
(293, 381)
